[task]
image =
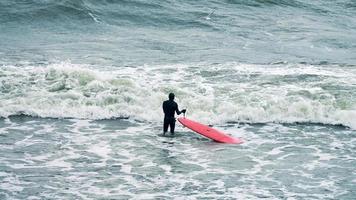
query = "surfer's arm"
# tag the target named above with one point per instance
(180, 112)
(177, 110)
(164, 107)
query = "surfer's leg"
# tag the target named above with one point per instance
(165, 126)
(172, 124)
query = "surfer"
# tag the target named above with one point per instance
(169, 107)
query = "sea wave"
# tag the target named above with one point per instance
(79, 12)
(147, 13)
(212, 93)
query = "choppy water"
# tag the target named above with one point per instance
(82, 82)
(121, 159)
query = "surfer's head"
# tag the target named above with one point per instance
(171, 96)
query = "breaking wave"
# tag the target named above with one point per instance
(212, 93)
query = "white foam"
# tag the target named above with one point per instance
(276, 151)
(126, 169)
(11, 184)
(93, 17)
(3, 174)
(102, 149)
(80, 91)
(33, 198)
(60, 163)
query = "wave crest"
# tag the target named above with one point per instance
(211, 93)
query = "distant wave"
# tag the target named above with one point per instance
(143, 13)
(37, 11)
(219, 93)
(262, 3)
(65, 12)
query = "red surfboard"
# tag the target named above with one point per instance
(208, 131)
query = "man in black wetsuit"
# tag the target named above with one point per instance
(169, 107)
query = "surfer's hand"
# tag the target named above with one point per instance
(184, 110)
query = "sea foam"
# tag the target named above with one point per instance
(212, 93)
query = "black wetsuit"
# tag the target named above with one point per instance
(169, 107)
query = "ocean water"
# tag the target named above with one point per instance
(82, 84)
